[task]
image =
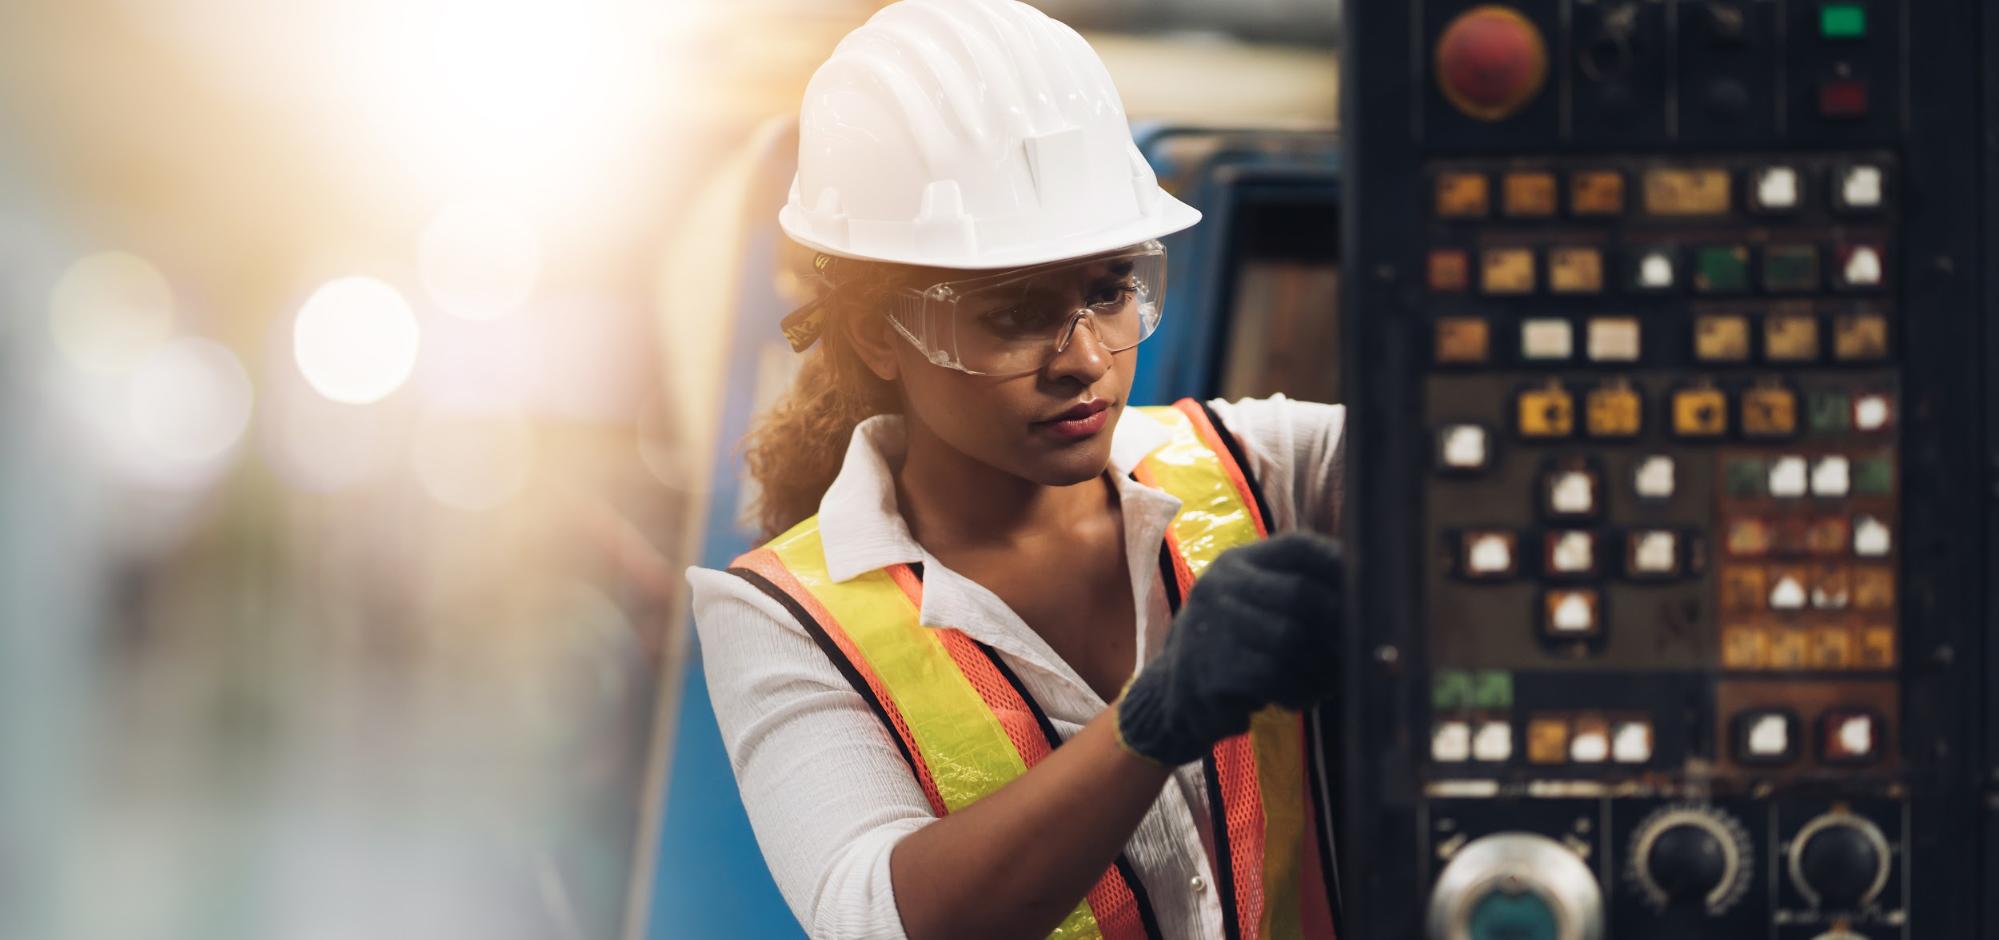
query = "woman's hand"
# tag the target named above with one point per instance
(1261, 626)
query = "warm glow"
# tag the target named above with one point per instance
(479, 260)
(110, 309)
(356, 340)
(474, 462)
(189, 401)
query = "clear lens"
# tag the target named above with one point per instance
(1015, 322)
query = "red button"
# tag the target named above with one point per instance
(1843, 98)
(1491, 61)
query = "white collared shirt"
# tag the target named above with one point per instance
(828, 793)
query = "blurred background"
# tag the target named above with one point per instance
(371, 369)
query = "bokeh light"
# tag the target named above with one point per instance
(479, 260)
(189, 401)
(108, 310)
(356, 340)
(473, 462)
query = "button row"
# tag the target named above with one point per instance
(1769, 736)
(1495, 555)
(1775, 189)
(1795, 476)
(1835, 648)
(1796, 588)
(1720, 269)
(1581, 739)
(1861, 536)
(1721, 339)
(1767, 411)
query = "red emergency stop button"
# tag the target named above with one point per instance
(1491, 61)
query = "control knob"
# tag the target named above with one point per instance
(1491, 61)
(1515, 886)
(1691, 856)
(1839, 861)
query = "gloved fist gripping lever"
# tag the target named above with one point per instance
(1260, 627)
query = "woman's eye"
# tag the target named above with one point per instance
(1113, 295)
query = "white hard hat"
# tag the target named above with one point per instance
(972, 134)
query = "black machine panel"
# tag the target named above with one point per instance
(1671, 480)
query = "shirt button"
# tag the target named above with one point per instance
(1199, 884)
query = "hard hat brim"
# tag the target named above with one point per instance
(1169, 215)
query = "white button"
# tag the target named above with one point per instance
(1631, 742)
(1452, 742)
(1829, 598)
(1863, 267)
(1871, 538)
(1573, 613)
(1788, 476)
(1788, 594)
(1491, 553)
(1544, 339)
(1655, 270)
(1861, 187)
(1856, 735)
(1589, 747)
(1574, 553)
(1769, 736)
(1657, 552)
(1574, 493)
(1870, 412)
(1494, 742)
(1655, 477)
(1613, 339)
(1777, 188)
(1831, 477)
(1465, 447)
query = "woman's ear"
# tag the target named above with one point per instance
(874, 341)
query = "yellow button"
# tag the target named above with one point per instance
(1877, 648)
(1548, 741)
(1450, 271)
(1790, 648)
(1614, 411)
(1860, 337)
(1547, 412)
(1721, 339)
(1742, 588)
(1700, 412)
(1528, 194)
(1769, 411)
(1463, 196)
(1596, 193)
(1575, 270)
(1744, 648)
(1832, 648)
(1791, 338)
(1507, 271)
(1873, 588)
(1463, 339)
(1682, 192)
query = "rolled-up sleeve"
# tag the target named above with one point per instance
(1296, 450)
(828, 792)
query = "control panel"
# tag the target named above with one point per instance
(1665, 374)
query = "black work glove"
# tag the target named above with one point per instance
(1261, 626)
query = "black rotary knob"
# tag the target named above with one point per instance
(1687, 862)
(1842, 864)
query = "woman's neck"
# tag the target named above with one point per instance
(950, 499)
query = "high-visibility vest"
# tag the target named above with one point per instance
(966, 725)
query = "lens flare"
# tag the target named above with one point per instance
(356, 340)
(108, 310)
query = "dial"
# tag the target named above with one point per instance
(1516, 886)
(1840, 861)
(1694, 856)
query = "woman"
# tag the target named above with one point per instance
(977, 545)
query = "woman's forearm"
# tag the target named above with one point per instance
(1017, 862)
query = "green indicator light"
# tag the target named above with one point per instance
(1722, 269)
(1830, 412)
(1450, 690)
(1874, 476)
(1744, 478)
(1492, 691)
(1843, 21)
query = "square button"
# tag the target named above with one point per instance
(1449, 271)
(1488, 555)
(1877, 648)
(1613, 411)
(1788, 589)
(1860, 337)
(1570, 491)
(1721, 339)
(1872, 538)
(1832, 476)
(1829, 412)
(1493, 744)
(1776, 190)
(1614, 339)
(1463, 448)
(1828, 536)
(1653, 477)
(1596, 193)
(1790, 648)
(1575, 270)
(1745, 477)
(1652, 554)
(1507, 271)
(1766, 736)
(1789, 477)
(1769, 411)
(1849, 736)
(1450, 743)
(1463, 340)
(1790, 268)
(1631, 742)
(1843, 99)
(1686, 192)
(1744, 647)
(1546, 413)
(1571, 614)
(1860, 187)
(1791, 338)
(1872, 412)
(1873, 588)
(1654, 270)
(1700, 413)
(1463, 196)
(1860, 267)
(1589, 743)
(1569, 554)
(1528, 195)
(1721, 269)
(1546, 339)
(1548, 740)
(1748, 536)
(1831, 648)
(1843, 19)
(1743, 588)
(1831, 590)
(1874, 476)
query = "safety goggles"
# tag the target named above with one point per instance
(1014, 322)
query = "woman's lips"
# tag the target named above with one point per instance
(1082, 421)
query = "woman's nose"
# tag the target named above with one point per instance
(1080, 351)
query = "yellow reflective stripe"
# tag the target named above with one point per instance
(1277, 740)
(957, 737)
(1213, 517)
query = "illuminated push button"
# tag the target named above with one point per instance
(1829, 412)
(1843, 19)
(1489, 556)
(1700, 412)
(1575, 270)
(1722, 338)
(1528, 195)
(1493, 744)
(1652, 554)
(1570, 554)
(1463, 340)
(1861, 267)
(1463, 196)
(1832, 476)
(1744, 648)
(1449, 271)
(1831, 590)
(1653, 270)
(1614, 339)
(1590, 744)
(1790, 268)
(1546, 413)
(1596, 193)
(1848, 737)
(1614, 411)
(1769, 411)
(1874, 476)
(1721, 269)
(1791, 338)
(1548, 741)
(1789, 477)
(1775, 190)
(1877, 648)
(1832, 648)
(1788, 592)
(1765, 736)
(1872, 412)
(1544, 339)
(1653, 478)
(1790, 648)
(1686, 192)
(1570, 493)
(1828, 536)
(1748, 537)
(1745, 477)
(1491, 62)
(1873, 588)
(1507, 271)
(1862, 187)
(1573, 614)
(1451, 742)
(1464, 448)
(1742, 588)
(1871, 537)
(1861, 337)
(1843, 99)
(1631, 742)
